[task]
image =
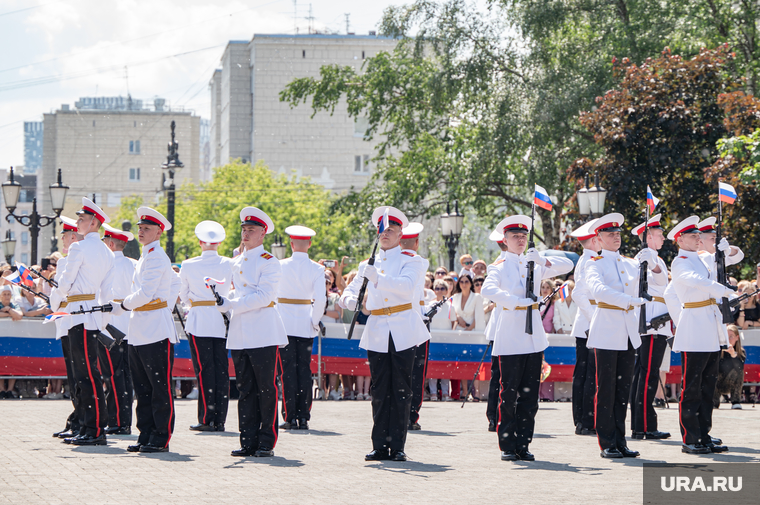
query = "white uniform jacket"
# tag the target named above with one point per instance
(505, 285)
(419, 301)
(496, 312)
(613, 279)
(254, 323)
(302, 279)
(62, 324)
(657, 283)
(154, 279)
(204, 321)
(582, 296)
(697, 329)
(87, 265)
(118, 286)
(398, 275)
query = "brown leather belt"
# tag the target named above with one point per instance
(293, 301)
(79, 298)
(535, 306)
(201, 303)
(387, 311)
(697, 305)
(603, 305)
(152, 305)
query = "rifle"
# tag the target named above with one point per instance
(720, 260)
(434, 309)
(548, 297)
(477, 371)
(27, 288)
(107, 341)
(643, 279)
(529, 281)
(175, 310)
(658, 322)
(219, 302)
(362, 290)
(49, 281)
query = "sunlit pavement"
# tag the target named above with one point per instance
(454, 459)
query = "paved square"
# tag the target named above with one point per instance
(455, 460)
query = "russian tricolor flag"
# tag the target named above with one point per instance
(542, 199)
(652, 201)
(383, 225)
(726, 192)
(564, 292)
(55, 315)
(25, 275)
(209, 281)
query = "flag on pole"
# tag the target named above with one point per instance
(25, 275)
(209, 280)
(55, 315)
(726, 192)
(383, 222)
(15, 278)
(542, 199)
(652, 201)
(564, 292)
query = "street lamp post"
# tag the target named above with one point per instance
(591, 199)
(34, 221)
(279, 248)
(9, 247)
(172, 163)
(451, 229)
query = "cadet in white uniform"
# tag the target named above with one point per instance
(88, 263)
(58, 303)
(410, 243)
(205, 326)
(520, 354)
(256, 331)
(114, 364)
(584, 372)
(646, 376)
(492, 407)
(614, 333)
(393, 330)
(691, 299)
(152, 334)
(301, 304)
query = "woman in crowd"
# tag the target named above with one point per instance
(564, 312)
(547, 313)
(731, 370)
(440, 321)
(749, 310)
(468, 315)
(332, 315)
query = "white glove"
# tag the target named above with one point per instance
(637, 302)
(350, 304)
(729, 293)
(650, 256)
(524, 302)
(532, 255)
(117, 308)
(225, 306)
(370, 272)
(723, 245)
(315, 328)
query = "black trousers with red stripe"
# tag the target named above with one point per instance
(151, 366)
(494, 387)
(255, 378)
(73, 421)
(83, 346)
(297, 386)
(700, 374)
(391, 390)
(646, 380)
(419, 371)
(209, 356)
(614, 373)
(584, 385)
(113, 366)
(518, 401)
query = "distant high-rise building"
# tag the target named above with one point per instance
(33, 142)
(205, 154)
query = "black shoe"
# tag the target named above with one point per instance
(588, 431)
(303, 424)
(509, 456)
(153, 448)
(90, 440)
(134, 448)
(415, 426)
(218, 427)
(716, 441)
(578, 428)
(717, 448)
(287, 425)
(243, 452)
(612, 454)
(638, 435)
(525, 455)
(656, 435)
(492, 426)
(263, 452)
(71, 439)
(117, 430)
(695, 449)
(398, 456)
(66, 434)
(376, 455)
(659, 403)
(627, 453)
(202, 427)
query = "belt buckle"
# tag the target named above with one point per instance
(386, 311)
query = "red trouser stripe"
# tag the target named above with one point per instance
(169, 384)
(282, 380)
(596, 394)
(113, 387)
(683, 388)
(276, 392)
(424, 375)
(646, 384)
(501, 388)
(200, 380)
(94, 389)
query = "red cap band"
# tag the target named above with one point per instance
(586, 237)
(95, 213)
(681, 232)
(415, 235)
(117, 236)
(255, 220)
(707, 228)
(152, 220)
(67, 227)
(298, 237)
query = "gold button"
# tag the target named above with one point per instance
(385, 259)
(245, 285)
(386, 299)
(523, 276)
(382, 271)
(241, 271)
(626, 283)
(245, 259)
(618, 259)
(622, 272)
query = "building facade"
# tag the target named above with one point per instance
(33, 142)
(249, 122)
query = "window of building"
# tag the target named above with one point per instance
(114, 199)
(361, 164)
(134, 174)
(134, 147)
(25, 258)
(361, 125)
(24, 237)
(362, 54)
(304, 53)
(11, 220)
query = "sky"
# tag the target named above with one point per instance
(56, 51)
